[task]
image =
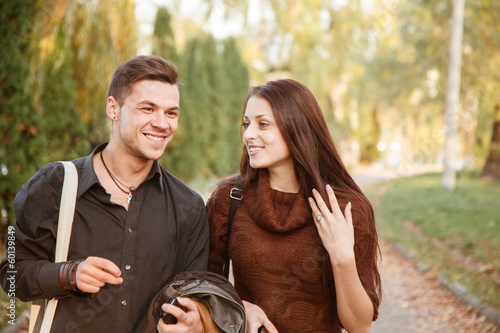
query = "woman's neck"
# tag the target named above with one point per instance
(283, 180)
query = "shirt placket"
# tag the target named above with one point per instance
(128, 263)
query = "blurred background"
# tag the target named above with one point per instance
(377, 67)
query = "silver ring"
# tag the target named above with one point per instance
(319, 217)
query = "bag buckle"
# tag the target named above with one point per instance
(236, 193)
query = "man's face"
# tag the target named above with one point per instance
(149, 118)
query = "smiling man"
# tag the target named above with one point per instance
(135, 224)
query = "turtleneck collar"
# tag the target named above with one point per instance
(274, 210)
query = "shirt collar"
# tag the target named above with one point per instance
(89, 177)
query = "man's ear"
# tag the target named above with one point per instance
(113, 108)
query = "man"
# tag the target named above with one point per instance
(135, 224)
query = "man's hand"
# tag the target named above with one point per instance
(94, 272)
(188, 321)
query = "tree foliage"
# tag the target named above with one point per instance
(215, 84)
(57, 62)
(102, 39)
(163, 36)
(22, 141)
(382, 57)
(378, 69)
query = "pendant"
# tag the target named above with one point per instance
(129, 197)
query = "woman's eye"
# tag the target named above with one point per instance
(263, 124)
(245, 125)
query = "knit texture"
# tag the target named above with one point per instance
(277, 260)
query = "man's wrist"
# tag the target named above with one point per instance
(67, 275)
(72, 275)
(63, 275)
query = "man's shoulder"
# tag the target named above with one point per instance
(174, 185)
(52, 174)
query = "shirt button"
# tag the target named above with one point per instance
(124, 302)
(129, 230)
(127, 267)
(231, 325)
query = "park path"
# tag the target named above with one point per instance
(414, 301)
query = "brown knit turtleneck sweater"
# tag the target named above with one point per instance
(277, 262)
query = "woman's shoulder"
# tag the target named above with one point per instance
(221, 194)
(225, 185)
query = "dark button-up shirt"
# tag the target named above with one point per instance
(164, 232)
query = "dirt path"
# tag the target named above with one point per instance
(415, 301)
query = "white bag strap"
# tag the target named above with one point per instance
(64, 226)
(66, 211)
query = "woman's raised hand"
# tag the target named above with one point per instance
(335, 229)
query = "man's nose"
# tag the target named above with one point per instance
(160, 120)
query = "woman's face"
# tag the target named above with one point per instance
(265, 145)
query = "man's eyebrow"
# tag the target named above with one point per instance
(153, 104)
(147, 102)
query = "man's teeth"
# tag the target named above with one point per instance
(156, 138)
(252, 149)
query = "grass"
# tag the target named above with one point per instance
(466, 219)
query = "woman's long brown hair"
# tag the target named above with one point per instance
(315, 157)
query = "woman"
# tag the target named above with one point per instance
(299, 264)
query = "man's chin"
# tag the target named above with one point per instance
(155, 156)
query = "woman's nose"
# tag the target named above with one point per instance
(249, 133)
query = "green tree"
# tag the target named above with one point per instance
(188, 155)
(215, 83)
(232, 90)
(21, 143)
(57, 61)
(64, 130)
(101, 39)
(163, 36)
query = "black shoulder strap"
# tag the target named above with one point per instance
(236, 194)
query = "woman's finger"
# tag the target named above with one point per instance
(320, 202)
(333, 201)
(317, 216)
(348, 214)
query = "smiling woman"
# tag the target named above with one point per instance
(265, 145)
(295, 257)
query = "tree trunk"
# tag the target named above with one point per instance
(448, 178)
(492, 166)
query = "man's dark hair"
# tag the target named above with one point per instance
(140, 68)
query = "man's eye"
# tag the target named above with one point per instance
(148, 109)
